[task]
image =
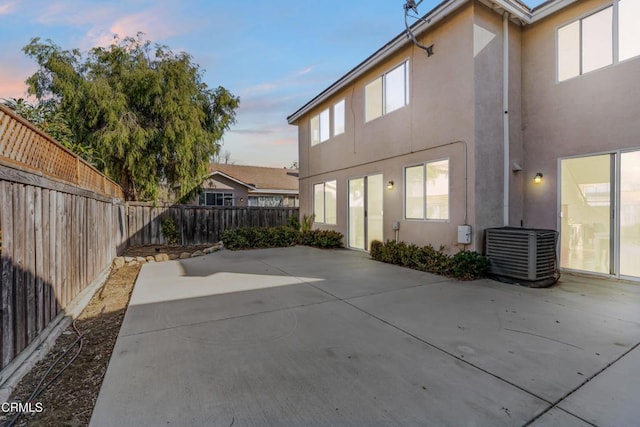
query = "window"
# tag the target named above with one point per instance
(427, 191)
(338, 118)
(324, 202)
(599, 40)
(324, 125)
(387, 93)
(315, 130)
(210, 198)
(628, 30)
(321, 129)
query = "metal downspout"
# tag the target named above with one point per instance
(505, 118)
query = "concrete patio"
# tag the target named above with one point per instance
(301, 336)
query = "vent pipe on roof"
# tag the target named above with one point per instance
(505, 118)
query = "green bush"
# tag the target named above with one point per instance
(469, 265)
(465, 265)
(325, 239)
(169, 230)
(294, 222)
(260, 237)
(278, 237)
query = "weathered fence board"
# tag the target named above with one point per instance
(54, 244)
(197, 225)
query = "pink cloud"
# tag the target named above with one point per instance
(7, 7)
(154, 23)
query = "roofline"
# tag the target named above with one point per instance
(515, 8)
(549, 7)
(231, 178)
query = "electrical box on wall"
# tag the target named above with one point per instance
(395, 225)
(464, 234)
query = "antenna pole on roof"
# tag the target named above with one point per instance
(412, 6)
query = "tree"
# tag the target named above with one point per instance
(223, 158)
(49, 119)
(146, 111)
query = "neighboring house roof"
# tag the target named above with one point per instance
(517, 10)
(259, 179)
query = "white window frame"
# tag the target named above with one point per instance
(332, 218)
(384, 88)
(425, 195)
(226, 195)
(615, 40)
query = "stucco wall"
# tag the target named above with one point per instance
(440, 112)
(593, 113)
(489, 117)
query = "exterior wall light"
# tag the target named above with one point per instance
(538, 178)
(390, 185)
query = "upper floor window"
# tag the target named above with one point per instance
(338, 118)
(603, 38)
(426, 194)
(321, 129)
(387, 93)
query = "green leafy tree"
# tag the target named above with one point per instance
(144, 109)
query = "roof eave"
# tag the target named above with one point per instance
(437, 14)
(548, 8)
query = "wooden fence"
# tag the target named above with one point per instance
(197, 225)
(25, 146)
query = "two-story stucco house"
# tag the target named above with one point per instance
(412, 146)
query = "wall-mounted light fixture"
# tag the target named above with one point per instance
(390, 185)
(538, 178)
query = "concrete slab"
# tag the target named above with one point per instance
(165, 297)
(326, 364)
(519, 334)
(558, 418)
(347, 273)
(611, 398)
(312, 337)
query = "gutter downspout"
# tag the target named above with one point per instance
(505, 118)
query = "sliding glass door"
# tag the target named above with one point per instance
(600, 214)
(630, 214)
(365, 211)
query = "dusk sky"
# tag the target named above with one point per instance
(276, 55)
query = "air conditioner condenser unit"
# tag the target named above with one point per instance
(524, 256)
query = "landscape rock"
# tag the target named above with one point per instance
(133, 262)
(141, 260)
(173, 256)
(196, 254)
(118, 262)
(150, 258)
(185, 255)
(128, 259)
(162, 257)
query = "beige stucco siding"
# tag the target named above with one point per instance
(593, 113)
(440, 113)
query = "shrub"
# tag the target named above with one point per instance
(469, 265)
(169, 230)
(325, 239)
(259, 237)
(465, 265)
(307, 222)
(278, 237)
(294, 222)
